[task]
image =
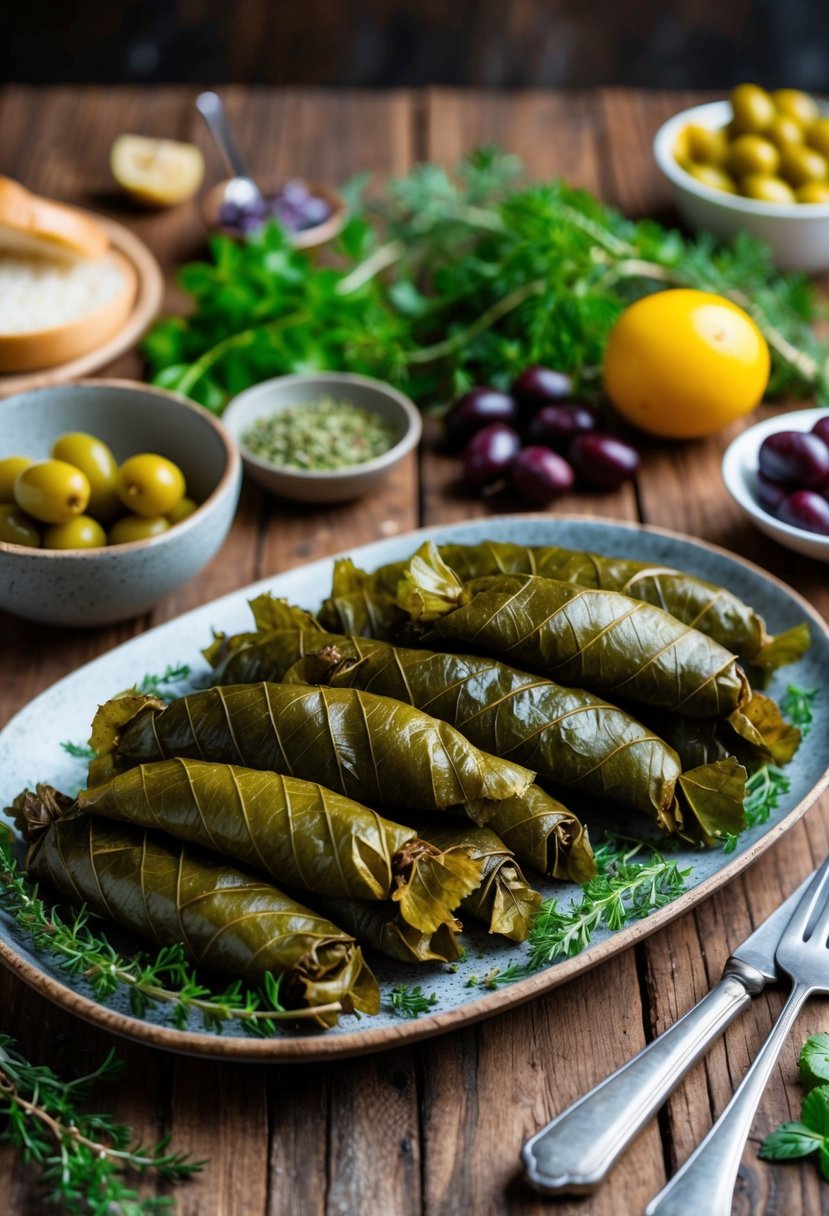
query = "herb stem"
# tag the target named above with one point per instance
(507, 303)
(378, 261)
(236, 341)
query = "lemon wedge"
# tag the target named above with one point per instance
(158, 172)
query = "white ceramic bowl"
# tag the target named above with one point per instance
(335, 485)
(98, 586)
(739, 470)
(798, 233)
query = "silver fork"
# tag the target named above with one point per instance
(706, 1181)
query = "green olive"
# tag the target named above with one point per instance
(714, 178)
(10, 468)
(802, 165)
(813, 192)
(181, 510)
(752, 154)
(16, 528)
(52, 491)
(92, 456)
(766, 189)
(753, 108)
(817, 136)
(784, 132)
(82, 532)
(149, 484)
(137, 527)
(795, 104)
(707, 145)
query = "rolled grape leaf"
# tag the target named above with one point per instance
(379, 926)
(600, 640)
(169, 893)
(369, 748)
(713, 610)
(756, 734)
(544, 834)
(714, 794)
(295, 831)
(504, 901)
(361, 604)
(761, 725)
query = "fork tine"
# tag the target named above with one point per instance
(820, 932)
(806, 909)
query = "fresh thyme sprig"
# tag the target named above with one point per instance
(409, 1002)
(161, 685)
(79, 751)
(633, 880)
(85, 1158)
(166, 980)
(798, 706)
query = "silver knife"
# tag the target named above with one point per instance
(578, 1148)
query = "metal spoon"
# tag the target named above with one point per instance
(241, 190)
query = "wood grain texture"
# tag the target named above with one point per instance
(433, 1129)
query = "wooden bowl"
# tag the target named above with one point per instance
(309, 238)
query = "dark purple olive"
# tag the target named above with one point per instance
(821, 429)
(477, 409)
(807, 510)
(770, 493)
(539, 385)
(489, 454)
(795, 458)
(602, 460)
(557, 425)
(540, 475)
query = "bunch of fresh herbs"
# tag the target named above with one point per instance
(452, 279)
(810, 1133)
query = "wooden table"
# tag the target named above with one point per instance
(435, 1128)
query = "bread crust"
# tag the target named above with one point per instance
(31, 226)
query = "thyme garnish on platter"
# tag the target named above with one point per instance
(85, 1158)
(165, 980)
(409, 1002)
(798, 707)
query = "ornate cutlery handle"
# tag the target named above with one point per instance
(706, 1181)
(577, 1149)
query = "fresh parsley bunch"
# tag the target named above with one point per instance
(809, 1134)
(452, 279)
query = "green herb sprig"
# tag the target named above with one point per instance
(165, 980)
(809, 1134)
(411, 1002)
(798, 705)
(453, 278)
(85, 1159)
(161, 686)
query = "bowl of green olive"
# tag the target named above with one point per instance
(112, 495)
(757, 163)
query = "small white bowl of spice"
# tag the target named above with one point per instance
(324, 437)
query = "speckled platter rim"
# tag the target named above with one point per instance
(367, 1039)
(148, 296)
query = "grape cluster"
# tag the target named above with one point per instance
(793, 477)
(535, 439)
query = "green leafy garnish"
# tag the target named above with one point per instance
(409, 1002)
(160, 685)
(166, 980)
(798, 706)
(764, 789)
(85, 1158)
(81, 751)
(809, 1134)
(450, 279)
(813, 1061)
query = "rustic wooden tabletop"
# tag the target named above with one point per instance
(436, 1128)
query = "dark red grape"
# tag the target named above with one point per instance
(821, 429)
(769, 493)
(538, 385)
(541, 475)
(489, 454)
(556, 425)
(477, 409)
(807, 510)
(602, 460)
(795, 458)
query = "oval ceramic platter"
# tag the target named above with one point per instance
(31, 750)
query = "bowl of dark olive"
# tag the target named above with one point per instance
(323, 437)
(311, 213)
(756, 163)
(778, 472)
(112, 495)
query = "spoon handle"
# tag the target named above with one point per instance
(209, 105)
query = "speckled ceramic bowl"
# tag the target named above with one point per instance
(98, 586)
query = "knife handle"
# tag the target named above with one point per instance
(578, 1148)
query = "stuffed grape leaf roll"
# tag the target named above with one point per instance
(169, 892)
(369, 748)
(297, 832)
